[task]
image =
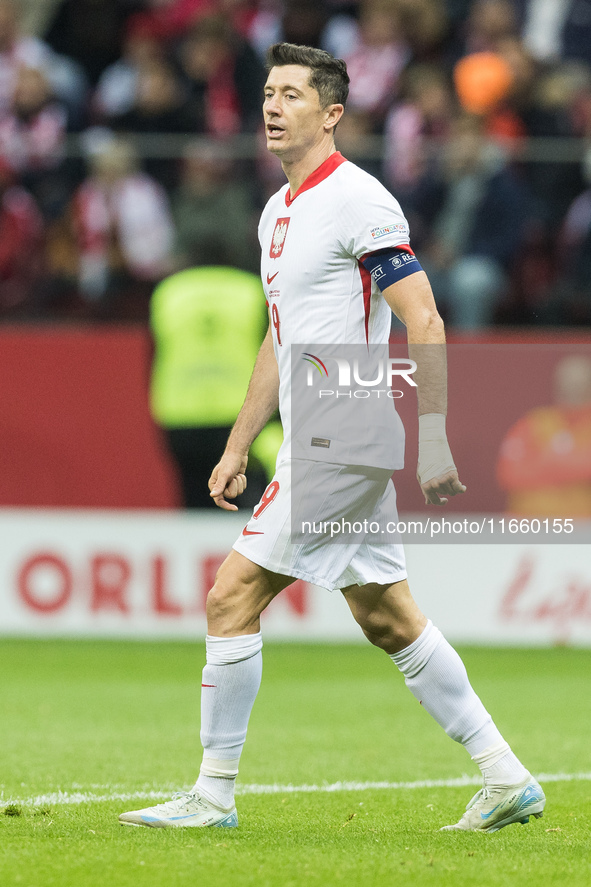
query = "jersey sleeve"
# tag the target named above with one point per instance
(371, 220)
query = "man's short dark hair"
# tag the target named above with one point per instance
(328, 76)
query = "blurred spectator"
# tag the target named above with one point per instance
(509, 122)
(264, 26)
(545, 459)
(489, 22)
(173, 18)
(375, 65)
(354, 140)
(303, 22)
(16, 51)
(417, 129)
(160, 107)
(169, 19)
(478, 229)
(34, 127)
(32, 138)
(224, 78)
(341, 34)
(542, 25)
(21, 241)
(90, 32)
(425, 27)
(116, 89)
(557, 30)
(210, 207)
(553, 113)
(576, 35)
(123, 226)
(208, 324)
(571, 300)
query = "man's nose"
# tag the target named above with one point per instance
(273, 106)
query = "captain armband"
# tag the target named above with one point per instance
(388, 266)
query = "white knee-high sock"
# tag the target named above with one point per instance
(231, 680)
(437, 677)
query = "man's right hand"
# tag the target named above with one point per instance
(436, 472)
(438, 488)
(228, 480)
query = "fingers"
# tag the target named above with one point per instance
(236, 486)
(213, 480)
(438, 489)
(223, 487)
(225, 506)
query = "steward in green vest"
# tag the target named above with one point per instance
(208, 324)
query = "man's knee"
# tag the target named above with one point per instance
(219, 603)
(240, 593)
(388, 616)
(385, 632)
(230, 601)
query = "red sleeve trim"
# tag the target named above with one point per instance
(366, 284)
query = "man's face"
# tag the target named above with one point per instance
(294, 120)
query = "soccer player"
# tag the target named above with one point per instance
(335, 261)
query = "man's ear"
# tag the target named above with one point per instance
(332, 116)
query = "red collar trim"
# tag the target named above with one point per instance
(324, 170)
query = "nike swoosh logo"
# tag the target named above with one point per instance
(271, 279)
(246, 532)
(490, 813)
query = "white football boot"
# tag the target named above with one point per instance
(494, 807)
(186, 810)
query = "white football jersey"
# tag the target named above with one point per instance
(316, 288)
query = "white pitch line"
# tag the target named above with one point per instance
(86, 797)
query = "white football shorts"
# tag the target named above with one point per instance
(346, 525)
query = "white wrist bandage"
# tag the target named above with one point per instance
(435, 456)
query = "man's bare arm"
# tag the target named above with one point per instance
(262, 398)
(411, 299)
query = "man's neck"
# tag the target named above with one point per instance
(298, 171)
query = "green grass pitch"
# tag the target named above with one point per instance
(94, 720)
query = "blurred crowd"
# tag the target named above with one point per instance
(131, 146)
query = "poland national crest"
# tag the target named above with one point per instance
(278, 238)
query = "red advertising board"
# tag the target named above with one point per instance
(76, 429)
